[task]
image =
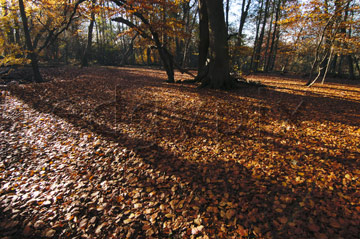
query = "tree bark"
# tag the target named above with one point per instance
(87, 52)
(204, 36)
(351, 67)
(261, 38)
(357, 65)
(258, 22)
(131, 50)
(29, 45)
(218, 76)
(166, 57)
(227, 15)
(267, 46)
(244, 14)
(189, 29)
(273, 49)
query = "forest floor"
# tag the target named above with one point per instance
(106, 152)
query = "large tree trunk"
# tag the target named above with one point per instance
(29, 45)
(218, 76)
(204, 36)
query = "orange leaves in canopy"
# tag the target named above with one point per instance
(159, 13)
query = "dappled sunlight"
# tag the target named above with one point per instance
(349, 91)
(147, 158)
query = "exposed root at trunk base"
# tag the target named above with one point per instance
(230, 83)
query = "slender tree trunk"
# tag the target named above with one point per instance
(32, 54)
(327, 65)
(351, 67)
(87, 52)
(258, 22)
(261, 38)
(274, 54)
(266, 53)
(148, 56)
(275, 32)
(333, 65)
(244, 14)
(190, 28)
(178, 49)
(357, 65)
(130, 50)
(339, 66)
(227, 15)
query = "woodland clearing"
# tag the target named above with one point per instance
(107, 152)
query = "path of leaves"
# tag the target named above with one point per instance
(119, 153)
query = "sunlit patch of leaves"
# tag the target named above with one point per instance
(119, 153)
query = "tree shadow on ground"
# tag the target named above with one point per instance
(224, 189)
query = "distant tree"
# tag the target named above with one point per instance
(326, 35)
(157, 30)
(260, 38)
(245, 6)
(87, 51)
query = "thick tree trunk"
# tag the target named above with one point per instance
(29, 45)
(204, 36)
(168, 63)
(218, 76)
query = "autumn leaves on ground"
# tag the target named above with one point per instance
(120, 153)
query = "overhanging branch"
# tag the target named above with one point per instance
(131, 25)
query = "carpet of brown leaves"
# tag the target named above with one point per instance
(118, 153)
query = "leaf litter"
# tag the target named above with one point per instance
(119, 153)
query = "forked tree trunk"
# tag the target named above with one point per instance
(29, 45)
